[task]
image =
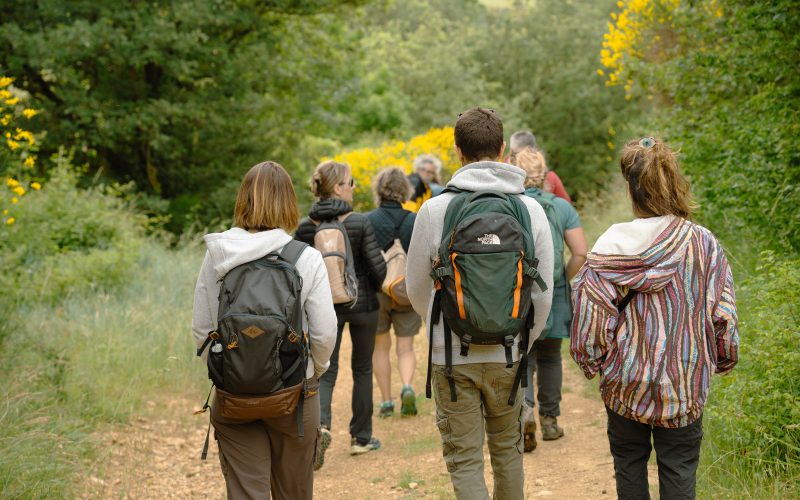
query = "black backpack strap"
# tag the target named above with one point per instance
(292, 250)
(448, 360)
(508, 343)
(623, 303)
(521, 378)
(436, 311)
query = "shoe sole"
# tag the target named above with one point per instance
(552, 438)
(324, 442)
(360, 451)
(409, 404)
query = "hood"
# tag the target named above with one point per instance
(237, 246)
(329, 209)
(644, 254)
(489, 175)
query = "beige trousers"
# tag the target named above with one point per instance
(482, 390)
(267, 456)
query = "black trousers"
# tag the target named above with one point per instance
(362, 334)
(677, 454)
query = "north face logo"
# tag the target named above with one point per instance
(489, 239)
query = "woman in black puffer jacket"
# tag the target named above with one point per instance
(333, 186)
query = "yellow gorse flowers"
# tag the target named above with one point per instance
(17, 157)
(625, 36)
(366, 162)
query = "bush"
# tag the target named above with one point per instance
(67, 241)
(755, 412)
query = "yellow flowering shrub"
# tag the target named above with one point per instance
(626, 38)
(17, 151)
(367, 162)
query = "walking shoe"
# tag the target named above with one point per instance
(325, 438)
(408, 408)
(386, 409)
(550, 429)
(529, 428)
(357, 448)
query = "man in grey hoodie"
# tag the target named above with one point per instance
(483, 382)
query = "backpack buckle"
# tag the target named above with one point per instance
(293, 336)
(466, 340)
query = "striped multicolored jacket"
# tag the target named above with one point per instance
(656, 357)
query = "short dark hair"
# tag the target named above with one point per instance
(479, 133)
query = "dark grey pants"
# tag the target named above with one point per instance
(677, 454)
(362, 334)
(545, 361)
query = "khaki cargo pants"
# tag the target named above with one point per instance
(482, 390)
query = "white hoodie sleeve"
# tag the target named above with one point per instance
(206, 302)
(318, 306)
(421, 252)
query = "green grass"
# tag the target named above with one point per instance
(90, 362)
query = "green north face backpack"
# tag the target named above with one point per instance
(483, 277)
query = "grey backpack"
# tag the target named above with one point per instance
(258, 354)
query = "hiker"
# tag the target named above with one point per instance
(393, 223)
(425, 171)
(488, 272)
(332, 184)
(565, 227)
(266, 455)
(655, 315)
(552, 182)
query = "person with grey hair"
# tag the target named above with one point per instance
(426, 169)
(524, 139)
(391, 222)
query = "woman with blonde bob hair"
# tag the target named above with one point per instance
(391, 221)
(259, 457)
(655, 315)
(545, 359)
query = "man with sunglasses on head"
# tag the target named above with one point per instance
(426, 169)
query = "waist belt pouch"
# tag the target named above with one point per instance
(248, 407)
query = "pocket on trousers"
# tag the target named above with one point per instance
(448, 449)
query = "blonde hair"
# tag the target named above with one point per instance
(266, 199)
(391, 184)
(655, 182)
(532, 162)
(326, 176)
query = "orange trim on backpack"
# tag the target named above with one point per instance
(459, 293)
(518, 288)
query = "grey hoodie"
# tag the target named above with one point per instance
(484, 175)
(236, 246)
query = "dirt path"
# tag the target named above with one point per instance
(157, 454)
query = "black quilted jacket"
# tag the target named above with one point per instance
(369, 263)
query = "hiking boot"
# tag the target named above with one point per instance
(550, 429)
(386, 409)
(325, 439)
(408, 408)
(358, 448)
(528, 428)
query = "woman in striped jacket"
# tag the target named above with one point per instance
(655, 315)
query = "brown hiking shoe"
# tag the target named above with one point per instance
(528, 429)
(550, 429)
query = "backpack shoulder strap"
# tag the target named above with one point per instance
(292, 250)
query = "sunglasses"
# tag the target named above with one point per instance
(352, 182)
